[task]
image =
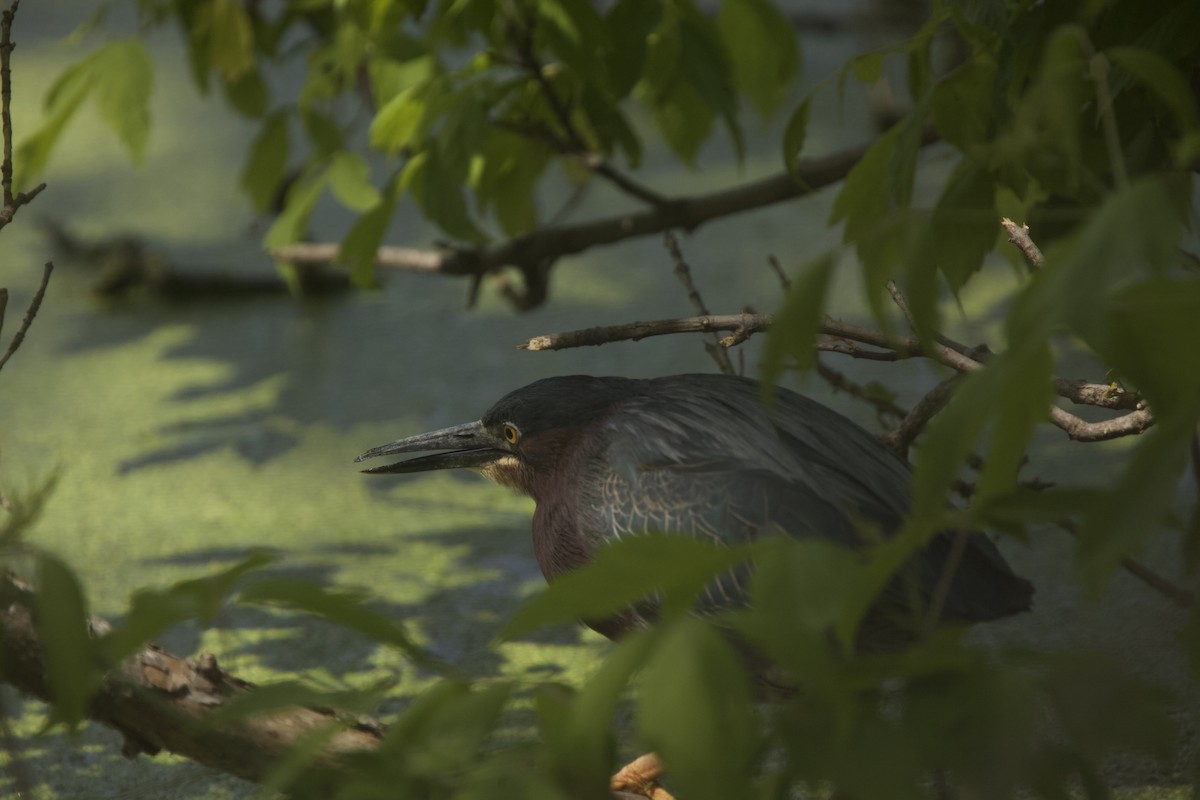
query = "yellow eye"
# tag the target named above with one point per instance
(511, 434)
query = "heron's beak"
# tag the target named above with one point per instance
(468, 445)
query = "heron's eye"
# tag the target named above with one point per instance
(511, 434)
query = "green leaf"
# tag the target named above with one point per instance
(572, 30)
(398, 122)
(798, 321)
(298, 206)
(624, 572)
(71, 666)
(867, 68)
(963, 103)
(437, 189)
(763, 53)
(586, 747)
(694, 708)
(360, 245)
(267, 161)
(1023, 402)
(628, 25)
(1162, 78)
(802, 591)
(1135, 505)
(342, 607)
(350, 181)
(795, 134)
(121, 77)
(230, 37)
(322, 130)
(247, 93)
(124, 77)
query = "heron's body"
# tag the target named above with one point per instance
(699, 455)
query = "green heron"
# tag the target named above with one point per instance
(700, 455)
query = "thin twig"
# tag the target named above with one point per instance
(841, 383)
(902, 437)
(777, 268)
(30, 313)
(1019, 235)
(942, 589)
(716, 349)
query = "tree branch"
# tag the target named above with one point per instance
(1019, 235)
(718, 353)
(30, 313)
(535, 252)
(159, 701)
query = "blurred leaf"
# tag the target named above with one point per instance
(292, 223)
(361, 243)
(694, 708)
(763, 53)
(979, 723)
(867, 68)
(1134, 505)
(153, 611)
(341, 607)
(1147, 328)
(624, 572)
(121, 77)
(437, 190)
(322, 131)
(572, 30)
(248, 94)
(1162, 78)
(1132, 714)
(629, 24)
(230, 37)
(265, 166)
(952, 433)
(1023, 401)
(397, 123)
(798, 321)
(72, 671)
(586, 749)
(350, 181)
(124, 77)
(794, 135)
(510, 167)
(806, 589)
(962, 104)
(959, 234)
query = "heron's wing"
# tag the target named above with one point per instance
(700, 455)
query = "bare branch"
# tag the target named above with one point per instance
(1128, 424)
(635, 331)
(1019, 235)
(1176, 594)
(840, 383)
(30, 313)
(900, 439)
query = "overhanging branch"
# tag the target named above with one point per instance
(535, 253)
